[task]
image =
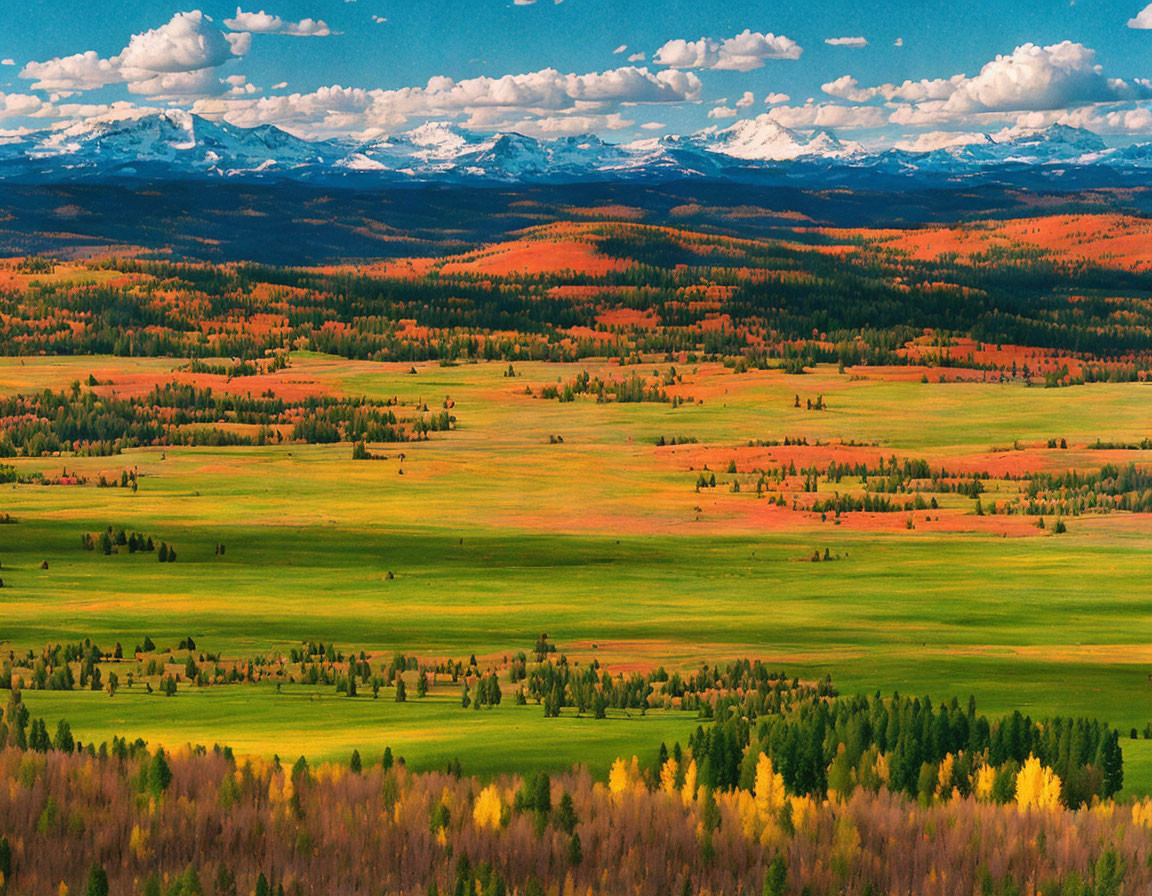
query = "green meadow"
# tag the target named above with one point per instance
(481, 538)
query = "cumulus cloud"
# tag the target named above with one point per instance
(570, 125)
(1114, 120)
(744, 52)
(899, 42)
(189, 42)
(722, 112)
(846, 41)
(775, 98)
(1056, 79)
(828, 115)
(746, 100)
(263, 23)
(637, 57)
(81, 71)
(486, 100)
(7, 61)
(623, 48)
(848, 88)
(19, 105)
(176, 85)
(1032, 77)
(934, 140)
(379, 20)
(1142, 19)
(172, 61)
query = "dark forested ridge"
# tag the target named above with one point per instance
(290, 224)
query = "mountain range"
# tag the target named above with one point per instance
(178, 145)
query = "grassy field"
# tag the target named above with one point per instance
(493, 535)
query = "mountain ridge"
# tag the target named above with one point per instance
(174, 144)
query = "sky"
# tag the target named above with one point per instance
(909, 73)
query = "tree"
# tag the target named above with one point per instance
(488, 808)
(97, 882)
(769, 789)
(159, 774)
(1037, 786)
(354, 764)
(5, 863)
(64, 742)
(1112, 764)
(401, 691)
(575, 850)
(776, 880)
(163, 555)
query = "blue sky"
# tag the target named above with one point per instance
(902, 72)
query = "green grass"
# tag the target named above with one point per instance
(303, 720)
(493, 535)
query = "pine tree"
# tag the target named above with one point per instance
(159, 774)
(97, 882)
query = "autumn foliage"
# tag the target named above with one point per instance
(197, 821)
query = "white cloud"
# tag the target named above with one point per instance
(19, 105)
(774, 98)
(188, 42)
(828, 115)
(722, 112)
(284, 84)
(82, 71)
(653, 126)
(934, 140)
(7, 61)
(172, 61)
(171, 85)
(848, 88)
(899, 42)
(1059, 79)
(570, 125)
(263, 23)
(1032, 77)
(846, 41)
(1131, 121)
(744, 52)
(746, 100)
(623, 48)
(486, 100)
(379, 20)
(637, 57)
(1142, 19)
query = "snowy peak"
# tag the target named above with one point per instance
(764, 139)
(175, 144)
(173, 138)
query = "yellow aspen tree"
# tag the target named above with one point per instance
(985, 780)
(1037, 786)
(488, 808)
(688, 792)
(944, 776)
(618, 776)
(769, 788)
(668, 776)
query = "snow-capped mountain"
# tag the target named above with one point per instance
(763, 139)
(170, 141)
(178, 145)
